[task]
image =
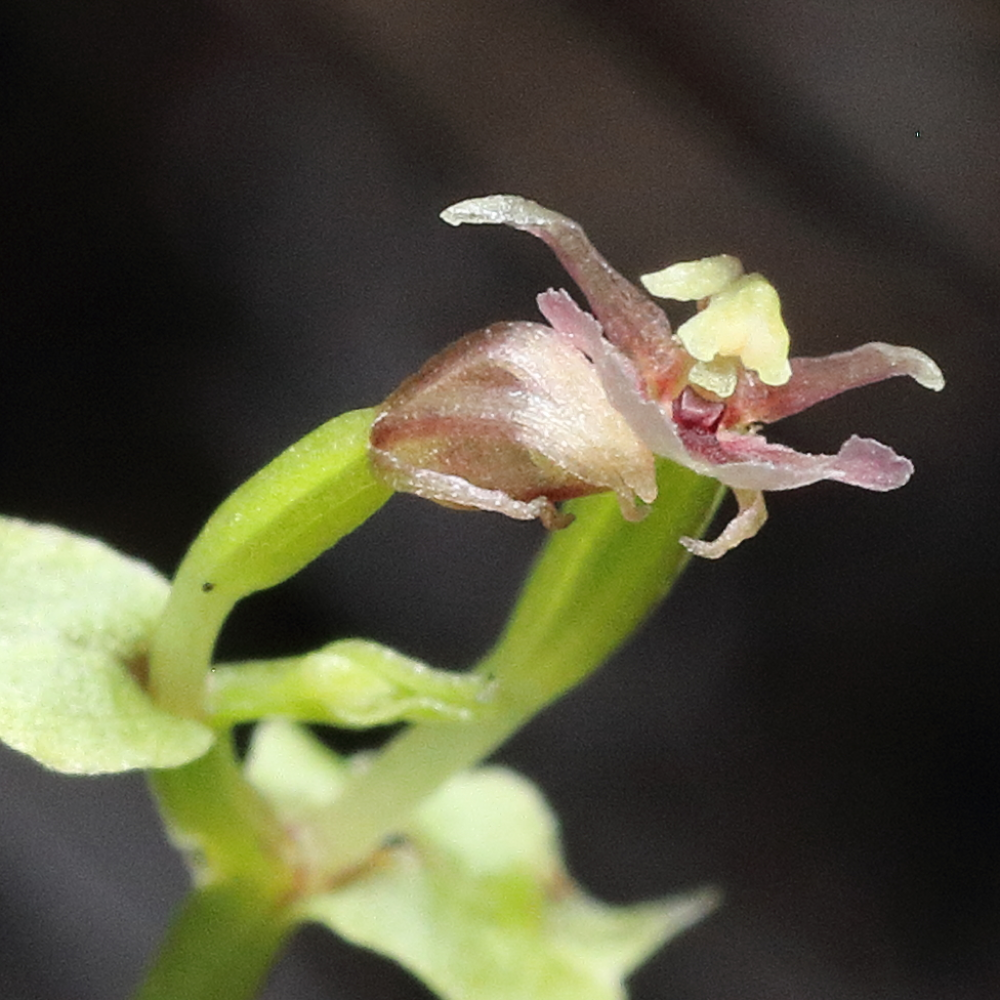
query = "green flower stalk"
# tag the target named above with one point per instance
(292, 511)
(589, 589)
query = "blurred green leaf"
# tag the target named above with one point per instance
(473, 898)
(594, 582)
(75, 620)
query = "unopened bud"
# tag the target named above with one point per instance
(513, 419)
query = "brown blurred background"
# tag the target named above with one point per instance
(219, 229)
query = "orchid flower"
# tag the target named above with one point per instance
(520, 416)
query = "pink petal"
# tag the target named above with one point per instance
(619, 378)
(741, 461)
(570, 321)
(752, 463)
(629, 318)
(816, 379)
(511, 418)
(443, 487)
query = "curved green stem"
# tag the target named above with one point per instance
(589, 589)
(307, 499)
(228, 932)
(220, 945)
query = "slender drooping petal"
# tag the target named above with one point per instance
(816, 379)
(630, 319)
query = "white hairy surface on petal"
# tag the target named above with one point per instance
(500, 209)
(459, 492)
(570, 419)
(621, 382)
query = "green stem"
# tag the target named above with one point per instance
(226, 936)
(220, 945)
(183, 643)
(227, 933)
(217, 818)
(295, 508)
(590, 587)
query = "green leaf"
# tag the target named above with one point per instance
(353, 683)
(75, 619)
(474, 898)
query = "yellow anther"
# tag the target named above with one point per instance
(718, 375)
(691, 280)
(742, 320)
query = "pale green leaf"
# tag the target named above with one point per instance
(353, 683)
(473, 899)
(75, 619)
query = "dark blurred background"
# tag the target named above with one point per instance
(219, 229)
